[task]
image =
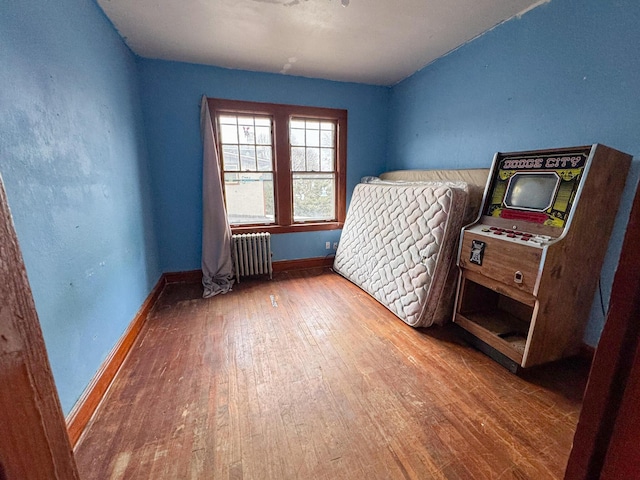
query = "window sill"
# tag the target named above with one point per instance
(275, 229)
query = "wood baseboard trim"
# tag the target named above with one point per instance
(195, 276)
(85, 407)
(302, 264)
(189, 276)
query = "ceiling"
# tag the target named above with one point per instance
(377, 42)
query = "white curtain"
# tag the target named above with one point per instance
(217, 267)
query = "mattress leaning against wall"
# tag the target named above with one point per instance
(399, 244)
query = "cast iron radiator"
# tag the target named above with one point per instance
(251, 254)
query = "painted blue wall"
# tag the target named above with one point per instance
(566, 73)
(74, 162)
(171, 93)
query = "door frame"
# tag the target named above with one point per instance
(34, 443)
(614, 366)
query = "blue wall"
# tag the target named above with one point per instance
(171, 94)
(74, 163)
(567, 73)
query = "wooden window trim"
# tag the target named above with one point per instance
(281, 114)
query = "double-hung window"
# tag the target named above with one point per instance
(283, 167)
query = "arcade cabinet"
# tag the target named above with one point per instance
(530, 264)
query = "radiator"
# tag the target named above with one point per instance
(251, 254)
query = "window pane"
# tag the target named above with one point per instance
(313, 138)
(314, 124)
(228, 133)
(247, 134)
(327, 159)
(327, 138)
(313, 159)
(263, 135)
(313, 197)
(296, 123)
(230, 157)
(228, 119)
(248, 158)
(239, 136)
(249, 198)
(297, 137)
(245, 120)
(265, 162)
(297, 159)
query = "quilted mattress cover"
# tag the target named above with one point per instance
(399, 244)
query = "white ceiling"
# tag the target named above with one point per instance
(377, 42)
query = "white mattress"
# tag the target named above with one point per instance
(398, 244)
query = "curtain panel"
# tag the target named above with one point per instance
(217, 266)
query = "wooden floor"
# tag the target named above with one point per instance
(307, 377)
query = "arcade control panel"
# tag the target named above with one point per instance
(511, 234)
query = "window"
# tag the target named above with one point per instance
(283, 167)
(247, 164)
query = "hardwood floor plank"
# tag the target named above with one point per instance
(306, 376)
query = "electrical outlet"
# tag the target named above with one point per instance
(335, 245)
(327, 245)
